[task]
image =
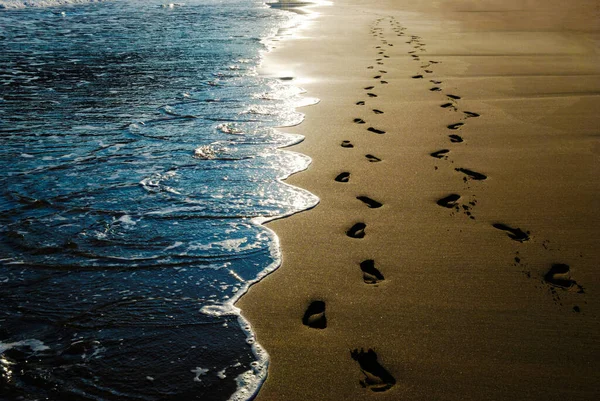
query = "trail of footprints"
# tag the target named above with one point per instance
(558, 277)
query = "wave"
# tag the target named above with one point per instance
(41, 3)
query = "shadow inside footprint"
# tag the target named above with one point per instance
(417, 76)
(376, 377)
(359, 121)
(373, 159)
(375, 130)
(472, 174)
(435, 89)
(455, 138)
(360, 103)
(314, 316)
(369, 87)
(449, 201)
(446, 105)
(559, 275)
(343, 177)
(471, 114)
(357, 231)
(377, 111)
(440, 154)
(371, 95)
(513, 233)
(371, 274)
(453, 97)
(373, 204)
(347, 144)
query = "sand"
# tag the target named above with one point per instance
(471, 275)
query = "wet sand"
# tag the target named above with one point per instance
(454, 253)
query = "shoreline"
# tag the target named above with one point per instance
(476, 275)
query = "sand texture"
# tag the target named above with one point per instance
(454, 254)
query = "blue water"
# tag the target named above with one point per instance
(139, 153)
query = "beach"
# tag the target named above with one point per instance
(454, 251)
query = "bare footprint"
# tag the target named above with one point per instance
(436, 89)
(377, 378)
(371, 274)
(455, 126)
(455, 138)
(453, 97)
(515, 234)
(373, 159)
(343, 177)
(357, 230)
(559, 275)
(472, 174)
(449, 201)
(377, 111)
(375, 130)
(471, 114)
(440, 154)
(371, 95)
(347, 144)
(314, 316)
(373, 204)
(446, 105)
(369, 87)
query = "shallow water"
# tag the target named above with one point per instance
(139, 153)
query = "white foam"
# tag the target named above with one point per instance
(35, 345)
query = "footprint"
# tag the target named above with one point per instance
(470, 114)
(371, 274)
(433, 81)
(455, 126)
(377, 378)
(453, 97)
(455, 138)
(449, 201)
(375, 130)
(377, 77)
(377, 111)
(559, 275)
(343, 177)
(417, 76)
(513, 233)
(383, 72)
(440, 154)
(347, 144)
(433, 62)
(314, 316)
(472, 174)
(436, 89)
(359, 121)
(357, 231)
(373, 204)
(360, 103)
(369, 87)
(383, 82)
(446, 105)
(371, 95)
(373, 159)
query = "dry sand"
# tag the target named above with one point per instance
(466, 310)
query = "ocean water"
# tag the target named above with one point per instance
(140, 152)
